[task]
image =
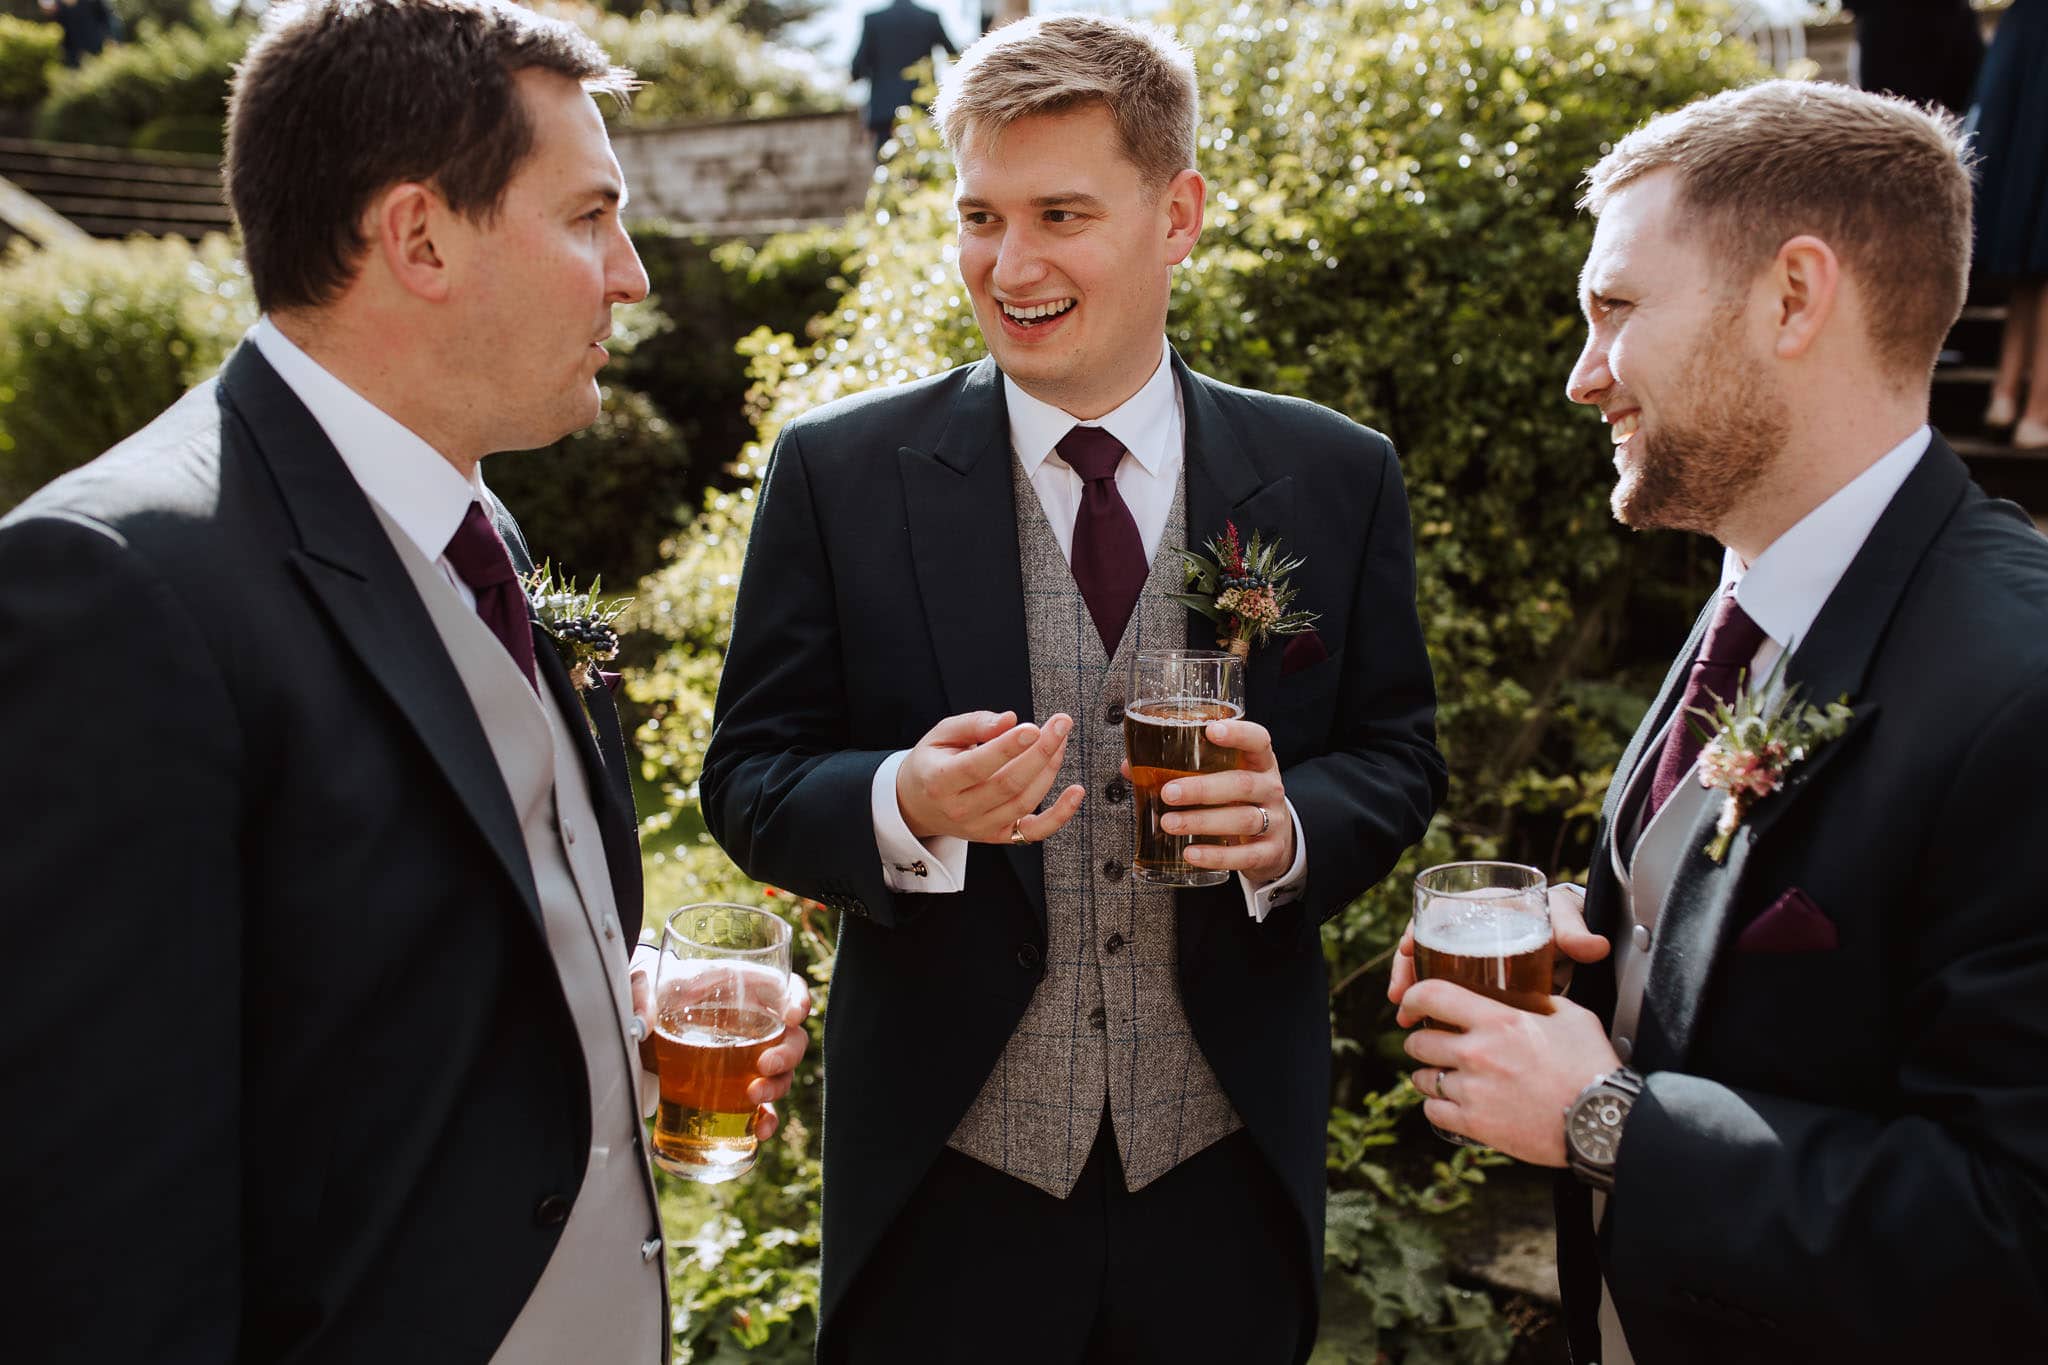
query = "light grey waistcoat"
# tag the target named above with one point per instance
(1106, 1023)
(604, 1293)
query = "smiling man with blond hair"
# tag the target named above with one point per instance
(1070, 1115)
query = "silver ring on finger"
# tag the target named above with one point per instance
(1438, 1086)
(1265, 822)
(1017, 832)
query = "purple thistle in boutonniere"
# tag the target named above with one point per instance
(1754, 743)
(579, 621)
(1244, 590)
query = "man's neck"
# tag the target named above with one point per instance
(377, 374)
(1806, 474)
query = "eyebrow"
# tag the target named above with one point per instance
(1064, 199)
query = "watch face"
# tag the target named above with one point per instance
(1595, 1127)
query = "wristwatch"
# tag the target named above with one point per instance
(1592, 1126)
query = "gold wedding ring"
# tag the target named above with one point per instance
(1017, 833)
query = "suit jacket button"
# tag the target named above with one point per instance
(551, 1212)
(1028, 956)
(1117, 790)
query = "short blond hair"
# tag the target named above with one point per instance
(1883, 182)
(1049, 65)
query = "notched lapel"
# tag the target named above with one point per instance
(1694, 925)
(961, 510)
(350, 569)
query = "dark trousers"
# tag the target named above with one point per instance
(1203, 1264)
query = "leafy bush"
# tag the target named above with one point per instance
(96, 338)
(169, 73)
(26, 51)
(705, 66)
(1392, 233)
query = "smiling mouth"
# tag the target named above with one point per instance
(1037, 313)
(1621, 428)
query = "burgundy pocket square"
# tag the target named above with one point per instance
(1792, 924)
(1303, 651)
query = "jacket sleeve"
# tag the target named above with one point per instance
(1370, 796)
(782, 791)
(121, 991)
(1910, 1233)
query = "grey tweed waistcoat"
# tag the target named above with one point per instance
(1106, 1023)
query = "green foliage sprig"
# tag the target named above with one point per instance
(580, 622)
(1244, 590)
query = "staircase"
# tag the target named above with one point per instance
(1962, 386)
(114, 193)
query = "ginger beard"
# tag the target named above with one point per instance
(1723, 434)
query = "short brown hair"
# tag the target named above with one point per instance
(337, 100)
(1141, 74)
(1884, 182)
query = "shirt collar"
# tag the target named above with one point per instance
(418, 489)
(1785, 589)
(1143, 423)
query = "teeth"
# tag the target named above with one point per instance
(1043, 310)
(1623, 427)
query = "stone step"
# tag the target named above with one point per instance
(109, 192)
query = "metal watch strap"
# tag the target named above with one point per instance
(1600, 1175)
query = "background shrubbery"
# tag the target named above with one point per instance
(1392, 232)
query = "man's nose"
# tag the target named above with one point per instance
(625, 274)
(1019, 262)
(1589, 377)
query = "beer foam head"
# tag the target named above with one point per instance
(1488, 927)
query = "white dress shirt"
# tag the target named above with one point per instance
(1784, 591)
(1151, 426)
(408, 479)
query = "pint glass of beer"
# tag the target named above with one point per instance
(718, 998)
(1485, 926)
(1175, 695)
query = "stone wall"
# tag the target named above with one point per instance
(748, 175)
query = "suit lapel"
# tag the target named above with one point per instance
(348, 565)
(1832, 662)
(962, 515)
(1224, 486)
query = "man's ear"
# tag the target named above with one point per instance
(408, 226)
(1806, 278)
(1186, 196)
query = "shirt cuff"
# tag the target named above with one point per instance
(1259, 901)
(937, 867)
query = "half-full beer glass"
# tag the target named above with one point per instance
(718, 997)
(1485, 926)
(1175, 695)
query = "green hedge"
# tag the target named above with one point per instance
(96, 338)
(174, 73)
(1393, 233)
(27, 50)
(169, 89)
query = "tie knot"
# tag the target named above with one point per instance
(477, 553)
(1733, 638)
(1092, 451)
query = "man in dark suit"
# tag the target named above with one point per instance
(1801, 1084)
(892, 40)
(1063, 1105)
(1927, 51)
(321, 873)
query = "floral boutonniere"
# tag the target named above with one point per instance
(1244, 590)
(1754, 743)
(579, 621)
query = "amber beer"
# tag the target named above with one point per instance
(1485, 926)
(1176, 694)
(1163, 740)
(707, 1057)
(718, 999)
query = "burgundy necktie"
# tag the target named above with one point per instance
(1109, 557)
(1732, 641)
(480, 559)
